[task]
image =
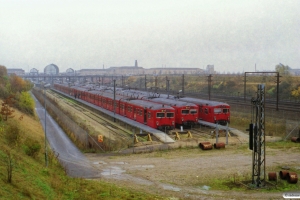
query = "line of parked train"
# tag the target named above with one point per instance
(159, 111)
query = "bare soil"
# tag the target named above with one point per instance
(184, 171)
(193, 173)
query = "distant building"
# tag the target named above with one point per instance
(82, 72)
(34, 72)
(70, 72)
(18, 72)
(51, 69)
(160, 71)
(295, 72)
(210, 69)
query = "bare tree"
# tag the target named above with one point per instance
(9, 163)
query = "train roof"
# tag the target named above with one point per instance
(79, 88)
(144, 94)
(151, 105)
(173, 102)
(106, 94)
(202, 101)
(117, 97)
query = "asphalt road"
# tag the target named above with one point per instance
(74, 162)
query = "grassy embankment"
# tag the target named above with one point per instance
(32, 180)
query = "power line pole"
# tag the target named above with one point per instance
(257, 139)
(209, 85)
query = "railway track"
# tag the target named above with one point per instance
(269, 103)
(115, 130)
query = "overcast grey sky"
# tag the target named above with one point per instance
(233, 35)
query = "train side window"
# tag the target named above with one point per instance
(170, 114)
(193, 111)
(206, 111)
(185, 112)
(225, 110)
(160, 115)
(218, 110)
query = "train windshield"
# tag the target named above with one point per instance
(226, 110)
(218, 110)
(160, 115)
(185, 112)
(170, 114)
(193, 111)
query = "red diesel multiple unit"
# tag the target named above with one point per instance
(152, 114)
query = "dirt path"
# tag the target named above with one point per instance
(191, 173)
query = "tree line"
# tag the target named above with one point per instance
(14, 92)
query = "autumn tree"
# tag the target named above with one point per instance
(6, 109)
(3, 72)
(3, 81)
(17, 84)
(282, 69)
(296, 92)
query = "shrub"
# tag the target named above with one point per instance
(31, 147)
(12, 133)
(25, 103)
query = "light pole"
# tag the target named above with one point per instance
(46, 153)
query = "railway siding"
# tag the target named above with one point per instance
(158, 134)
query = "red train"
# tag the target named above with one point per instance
(209, 111)
(186, 113)
(152, 114)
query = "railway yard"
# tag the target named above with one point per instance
(182, 170)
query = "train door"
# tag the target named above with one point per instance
(122, 105)
(200, 112)
(145, 116)
(134, 113)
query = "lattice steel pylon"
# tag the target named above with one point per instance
(258, 139)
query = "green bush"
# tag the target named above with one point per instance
(12, 133)
(31, 147)
(25, 103)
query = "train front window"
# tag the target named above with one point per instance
(185, 112)
(193, 111)
(170, 115)
(160, 115)
(218, 110)
(225, 110)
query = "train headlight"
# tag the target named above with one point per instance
(157, 123)
(173, 123)
(182, 119)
